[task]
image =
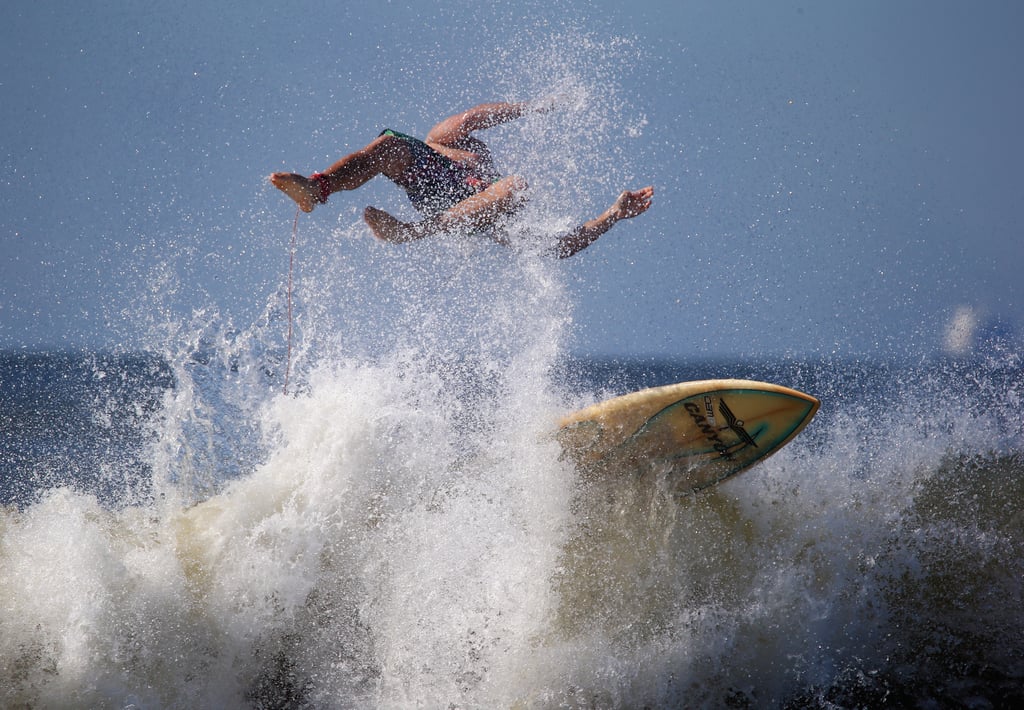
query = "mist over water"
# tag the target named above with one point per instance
(399, 529)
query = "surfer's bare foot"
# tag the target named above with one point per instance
(303, 190)
(388, 228)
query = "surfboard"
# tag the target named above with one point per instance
(697, 434)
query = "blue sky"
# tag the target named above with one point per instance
(832, 177)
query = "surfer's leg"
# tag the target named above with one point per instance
(386, 155)
(478, 212)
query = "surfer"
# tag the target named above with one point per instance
(451, 179)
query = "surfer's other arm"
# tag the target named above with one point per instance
(628, 204)
(454, 130)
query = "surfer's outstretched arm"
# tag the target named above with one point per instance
(629, 204)
(484, 209)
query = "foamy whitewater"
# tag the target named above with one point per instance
(399, 529)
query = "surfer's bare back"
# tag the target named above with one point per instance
(450, 178)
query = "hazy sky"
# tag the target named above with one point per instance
(832, 177)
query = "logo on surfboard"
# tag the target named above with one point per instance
(708, 427)
(736, 425)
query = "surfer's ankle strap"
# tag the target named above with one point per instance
(323, 187)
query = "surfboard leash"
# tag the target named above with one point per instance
(291, 270)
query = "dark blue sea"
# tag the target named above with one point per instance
(176, 531)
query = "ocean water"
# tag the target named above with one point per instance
(398, 533)
(398, 528)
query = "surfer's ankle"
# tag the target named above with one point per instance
(321, 187)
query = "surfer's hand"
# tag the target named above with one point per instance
(632, 202)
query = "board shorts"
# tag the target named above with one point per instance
(434, 182)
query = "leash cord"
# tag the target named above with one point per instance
(291, 270)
